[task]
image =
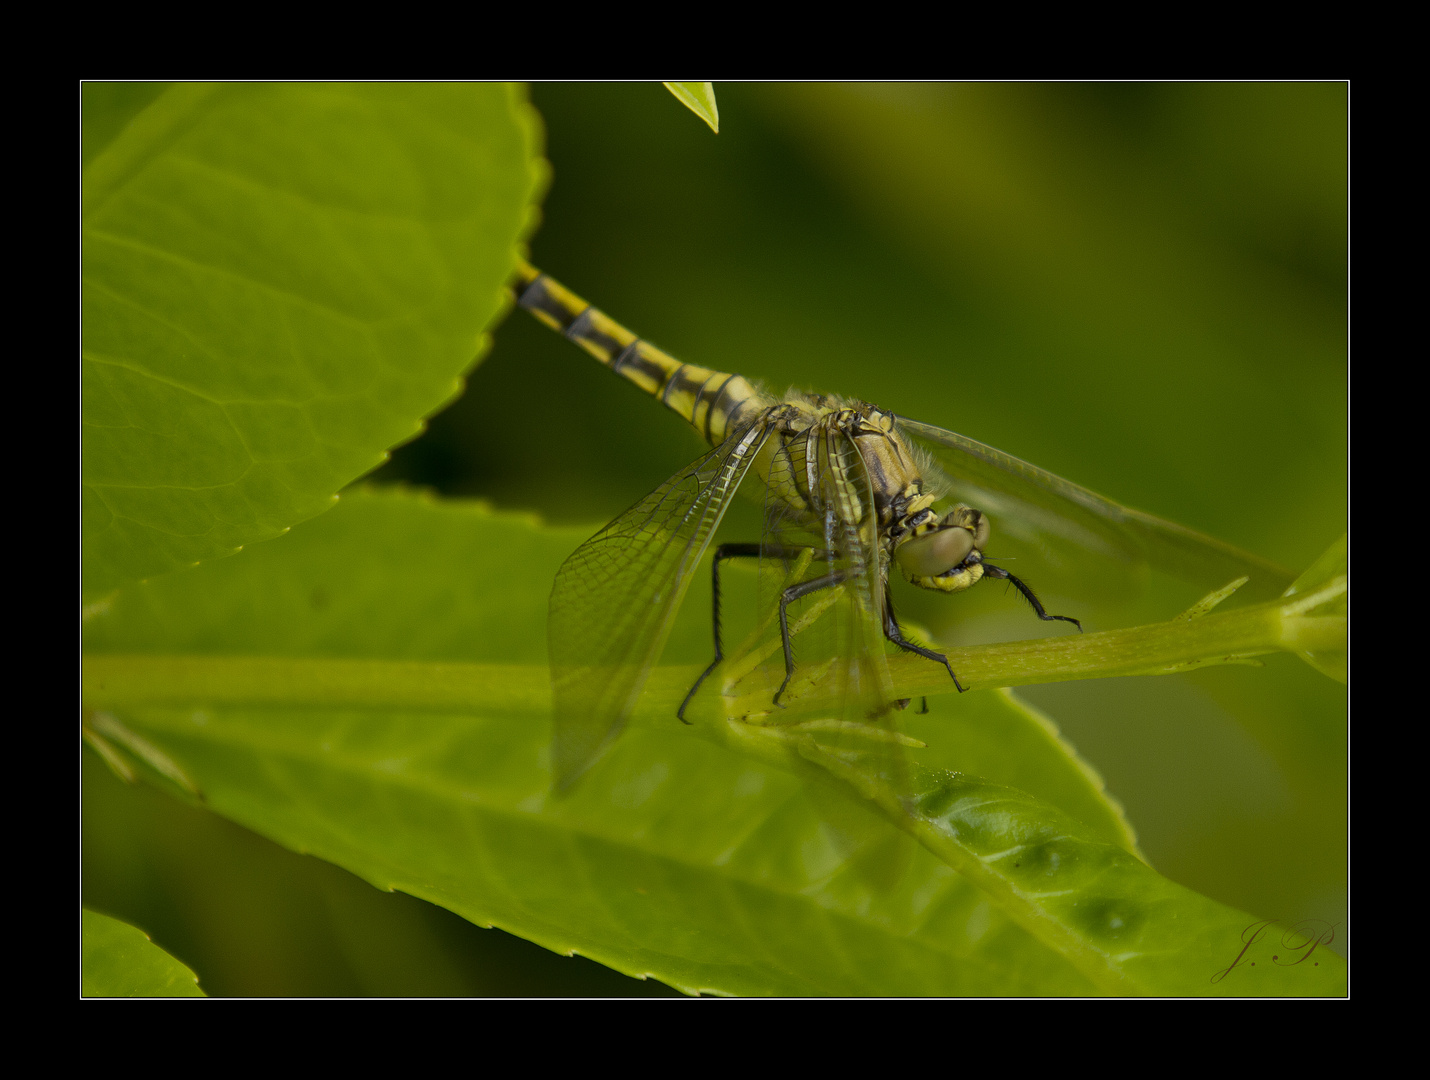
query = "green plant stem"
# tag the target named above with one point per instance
(113, 680)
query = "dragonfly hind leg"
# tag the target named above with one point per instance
(751, 551)
(724, 551)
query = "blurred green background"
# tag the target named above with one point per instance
(1141, 287)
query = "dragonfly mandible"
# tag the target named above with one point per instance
(849, 491)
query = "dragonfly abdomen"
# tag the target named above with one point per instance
(715, 403)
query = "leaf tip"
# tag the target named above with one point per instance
(699, 98)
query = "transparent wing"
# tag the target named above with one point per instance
(1066, 525)
(615, 598)
(862, 673)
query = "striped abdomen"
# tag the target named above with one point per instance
(713, 402)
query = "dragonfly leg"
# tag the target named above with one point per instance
(999, 572)
(724, 551)
(789, 596)
(894, 634)
(903, 703)
(734, 551)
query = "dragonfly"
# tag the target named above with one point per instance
(850, 491)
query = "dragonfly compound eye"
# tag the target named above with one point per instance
(975, 521)
(936, 553)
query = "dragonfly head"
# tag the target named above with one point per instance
(946, 554)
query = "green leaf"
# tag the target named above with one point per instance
(276, 681)
(119, 960)
(106, 108)
(699, 98)
(1107, 912)
(280, 283)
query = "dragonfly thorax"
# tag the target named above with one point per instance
(940, 553)
(827, 456)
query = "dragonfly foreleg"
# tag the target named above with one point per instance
(789, 596)
(999, 572)
(735, 551)
(894, 634)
